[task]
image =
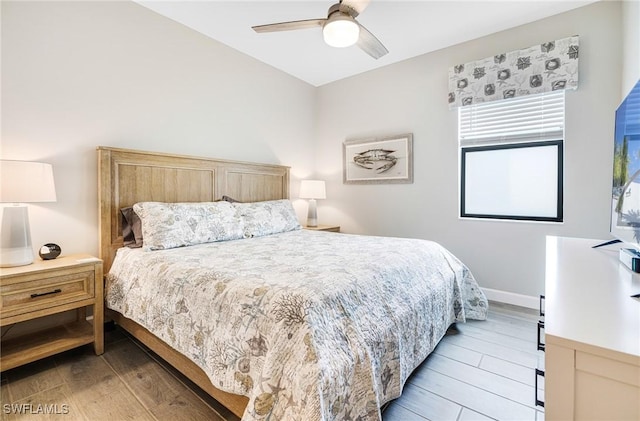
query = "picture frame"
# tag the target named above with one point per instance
(378, 160)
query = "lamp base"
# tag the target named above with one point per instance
(15, 257)
(312, 215)
(15, 237)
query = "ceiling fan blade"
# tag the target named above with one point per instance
(289, 26)
(356, 6)
(370, 44)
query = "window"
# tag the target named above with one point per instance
(511, 158)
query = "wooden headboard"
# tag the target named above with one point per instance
(127, 176)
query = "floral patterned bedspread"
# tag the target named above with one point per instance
(309, 325)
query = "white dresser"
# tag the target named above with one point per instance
(592, 333)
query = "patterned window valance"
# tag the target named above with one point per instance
(549, 66)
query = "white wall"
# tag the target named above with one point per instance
(411, 96)
(630, 45)
(76, 75)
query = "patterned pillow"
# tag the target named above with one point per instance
(265, 218)
(170, 225)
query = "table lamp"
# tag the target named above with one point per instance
(312, 190)
(21, 182)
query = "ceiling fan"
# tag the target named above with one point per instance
(339, 29)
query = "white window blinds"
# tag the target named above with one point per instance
(530, 118)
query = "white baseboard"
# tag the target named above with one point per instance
(512, 298)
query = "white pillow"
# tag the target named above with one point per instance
(170, 225)
(269, 217)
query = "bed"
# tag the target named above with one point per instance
(286, 324)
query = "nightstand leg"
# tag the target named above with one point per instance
(98, 315)
(98, 331)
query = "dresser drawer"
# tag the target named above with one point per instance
(27, 294)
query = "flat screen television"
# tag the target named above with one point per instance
(625, 205)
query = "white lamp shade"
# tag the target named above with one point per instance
(340, 30)
(26, 182)
(312, 189)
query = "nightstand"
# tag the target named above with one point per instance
(332, 228)
(48, 287)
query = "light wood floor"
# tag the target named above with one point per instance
(481, 370)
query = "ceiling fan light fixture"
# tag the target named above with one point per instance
(340, 30)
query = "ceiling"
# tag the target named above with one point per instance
(406, 28)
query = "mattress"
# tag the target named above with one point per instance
(309, 325)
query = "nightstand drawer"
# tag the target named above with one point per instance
(62, 287)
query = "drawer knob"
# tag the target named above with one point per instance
(55, 291)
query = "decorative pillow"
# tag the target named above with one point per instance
(270, 217)
(170, 225)
(131, 228)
